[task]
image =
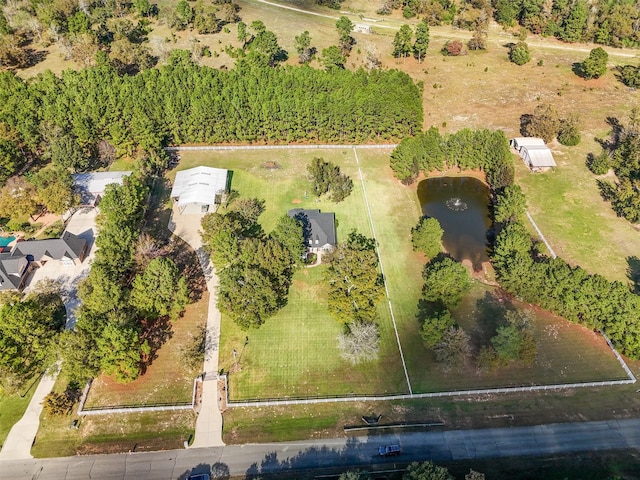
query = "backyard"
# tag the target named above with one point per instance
(295, 353)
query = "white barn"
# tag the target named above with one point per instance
(537, 158)
(199, 190)
(519, 142)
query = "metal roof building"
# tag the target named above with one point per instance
(198, 189)
(92, 185)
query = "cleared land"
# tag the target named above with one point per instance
(294, 354)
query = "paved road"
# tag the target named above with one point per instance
(264, 458)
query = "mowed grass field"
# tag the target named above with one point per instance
(295, 353)
(12, 407)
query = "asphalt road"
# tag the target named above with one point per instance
(264, 458)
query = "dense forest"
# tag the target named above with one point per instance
(185, 103)
(608, 22)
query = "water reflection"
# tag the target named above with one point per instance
(461, 205)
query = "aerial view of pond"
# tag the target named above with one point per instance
(461, 205)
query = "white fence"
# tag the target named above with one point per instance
(273, 147)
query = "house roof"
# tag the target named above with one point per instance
(199, 185)
(91, 185)
(68, 246)
(538, 156)
(320, 228)
(519, 142)
(11, 269)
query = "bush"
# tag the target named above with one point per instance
(595, 65)
(569, 131)
(453, 49)
(629, 75)
(427, 236)
(598, 164)
(519, 53)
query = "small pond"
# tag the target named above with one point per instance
(461, 205)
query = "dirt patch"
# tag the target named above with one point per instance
(296, 201)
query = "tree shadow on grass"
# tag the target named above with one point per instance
(156, 333)
(491, 311)
(187, 261)
(633, 272)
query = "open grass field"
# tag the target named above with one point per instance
(294, 353)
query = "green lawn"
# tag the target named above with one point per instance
(294, 353)
(12, 407)
(579, 225)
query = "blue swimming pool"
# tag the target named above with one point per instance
(4, 241)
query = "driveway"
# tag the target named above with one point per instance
(209, 422)
(82, 224)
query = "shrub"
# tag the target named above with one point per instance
(629, 75)
(453, 49)
(569, 131)
(519, 53)
(598, 164)
(595, 65)
(427, 236)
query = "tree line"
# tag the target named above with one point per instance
(117, 315)
(184, 103)
(466, 149)
(607, 22)
(553, 284)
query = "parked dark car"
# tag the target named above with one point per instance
(389, 450)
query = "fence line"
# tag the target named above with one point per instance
(456, 393)
(275, 147)
(123, 409)
(384, 278)
(553, 254)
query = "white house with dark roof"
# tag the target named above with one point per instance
(199, 189)
(319, 229)
(91, 185)
(16, 264)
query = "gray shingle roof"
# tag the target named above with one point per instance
(320, 228)
(68, 246)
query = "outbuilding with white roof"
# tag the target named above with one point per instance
(199, 189)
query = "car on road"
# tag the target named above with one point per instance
(389, 450)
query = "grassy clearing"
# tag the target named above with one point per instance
(295, 352)
(112, 433)
(580, 226)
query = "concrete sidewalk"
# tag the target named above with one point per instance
(209, 422)
(22, 435)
